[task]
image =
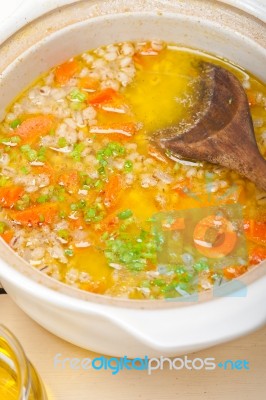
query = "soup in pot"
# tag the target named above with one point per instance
(83, 191)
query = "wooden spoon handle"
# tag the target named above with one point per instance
(257, 172)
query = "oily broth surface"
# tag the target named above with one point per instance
(86, 241)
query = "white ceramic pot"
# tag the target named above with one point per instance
(127, 327)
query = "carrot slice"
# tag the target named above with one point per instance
(178, 224)
(34, 127)
(226, 237)
(70, 180)
(88, 83)
(36, 215)
(113, 191)
(181, 188)
(98, 287)
(103, 96)
(46, 169)
(257, 255)
(234, 271)
(256, 231)
(7, 236)
(108, 224)
(66, 71)
(10, 195)
(78, 223)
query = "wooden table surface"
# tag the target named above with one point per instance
(218, 384)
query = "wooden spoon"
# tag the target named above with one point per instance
(224, 132)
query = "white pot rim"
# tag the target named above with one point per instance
(15, 14)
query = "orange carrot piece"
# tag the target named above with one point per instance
(66, 71)
(256, 231)
(7, 236)
(98, 287)
(182, 187)
(234, 271)
(78, 223)
(10, 195)
(88, 83)
(34, 127)
(122, 131)
(46, 169)
(104, 96)
(257, 255)
(70, 180)
(178, 224)
(36, 215)
(108, 223)
(113, 191)
(224, 231)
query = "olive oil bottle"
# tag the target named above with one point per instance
(18, 378)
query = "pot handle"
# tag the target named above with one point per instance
(17, 13)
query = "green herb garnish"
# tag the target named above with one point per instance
(125, 214)
(14, 124)
(78, 96)
(128, 166)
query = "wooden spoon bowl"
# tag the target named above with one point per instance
(224, 133)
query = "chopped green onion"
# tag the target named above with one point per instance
(125, 214)
(78, 206)
(15, 139)
(77, 151)
(93, 215)
(41, 153)
(63, 233)
(101, 171)
(2, 227)
(128, 166)
(30, 153)
(62, 142)
(73, 206)
(105, 236)
(201, 266)
(69, 252)
(90, 213)
(145, 284)
(14, 124)
(98, 184)
(82, 204)
(43, 198)
(3, 180)
(112, 149)
(23, 202)
(25, 148)
(62, 214)
(77, 95)
(158, 282)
